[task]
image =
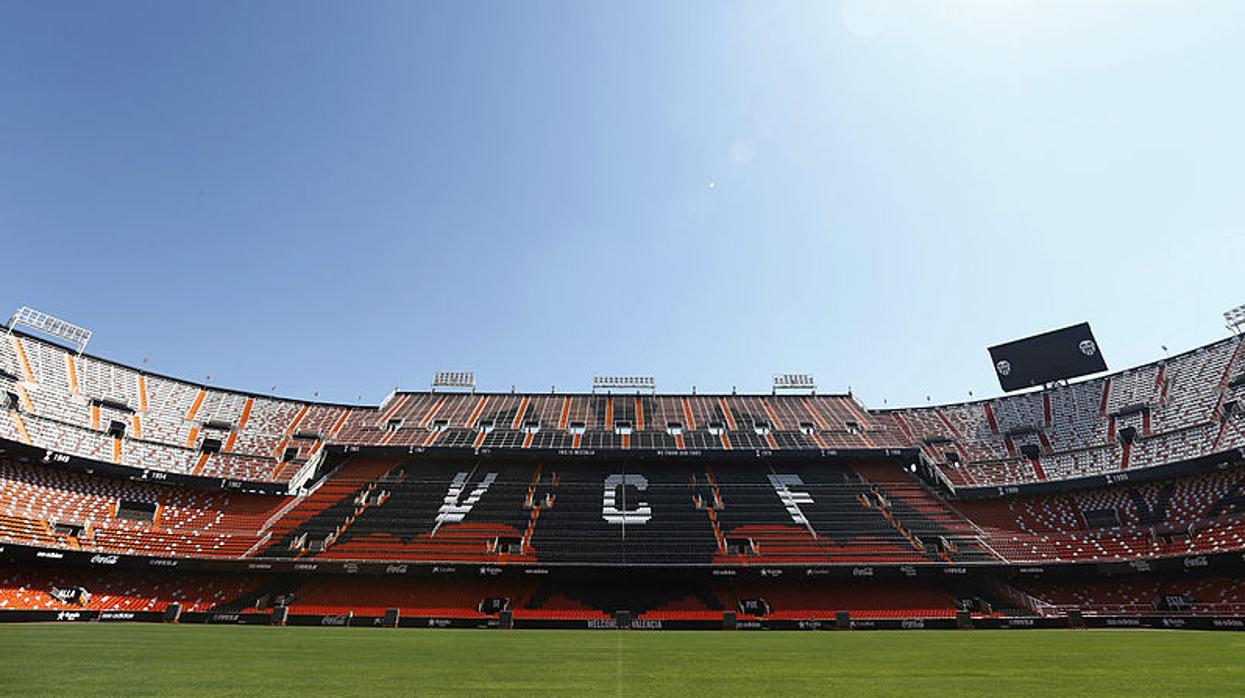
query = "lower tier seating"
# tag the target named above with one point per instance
(41, 505)
(28, 587)
(1144, 595)
(600, 512)
(1194, 514)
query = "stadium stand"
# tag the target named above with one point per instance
(777, 508)
(1213, 595)
(36, 588)
(1181, 516)
(1174, 407)
(46, 506)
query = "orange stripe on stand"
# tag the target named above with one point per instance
(475, 414)
(278, 475)
(812, 412)
(773, 443)
(773, 418)
(566, 411)
(609, 413)
(194, 435)
(137, 425)
(851, 407)
(527, 439)
(25, 396)
(577, 440)
(95, 417)
(194, 407)
(518, 416)
(21, 358)
(479, 439)
(687, 414)
(726, 441)
(341, 422)
(246, 412)
(396, 404)
(678, 441)
(203, 459)
(72, 372)
(639, 414)
(142, 393)
(21, 427)
(423, 423)
(276, 455)
(726, 412)
(116, 450)
(297, 419)
(626, 441)
(229, 442)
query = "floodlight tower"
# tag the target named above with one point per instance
(1235, 319)
(42, 322)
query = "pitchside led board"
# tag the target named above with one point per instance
(1048, 357)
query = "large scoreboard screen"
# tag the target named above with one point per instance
(1048, 357)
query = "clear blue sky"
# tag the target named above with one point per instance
(344, 196)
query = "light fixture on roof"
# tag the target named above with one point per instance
(794, 381)
(454, 379)
(42, 322)
(611, 383)
(1235, 318)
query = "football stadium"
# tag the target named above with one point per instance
(642, 348)
(1112, 502)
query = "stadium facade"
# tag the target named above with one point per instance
(127, 495)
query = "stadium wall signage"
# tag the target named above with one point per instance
(1228, 623)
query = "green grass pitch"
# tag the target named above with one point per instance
(162, 660)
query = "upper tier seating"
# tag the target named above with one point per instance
(74, 404)
(84, 406)
(1174, 408)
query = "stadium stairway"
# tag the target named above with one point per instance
(323, 511)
